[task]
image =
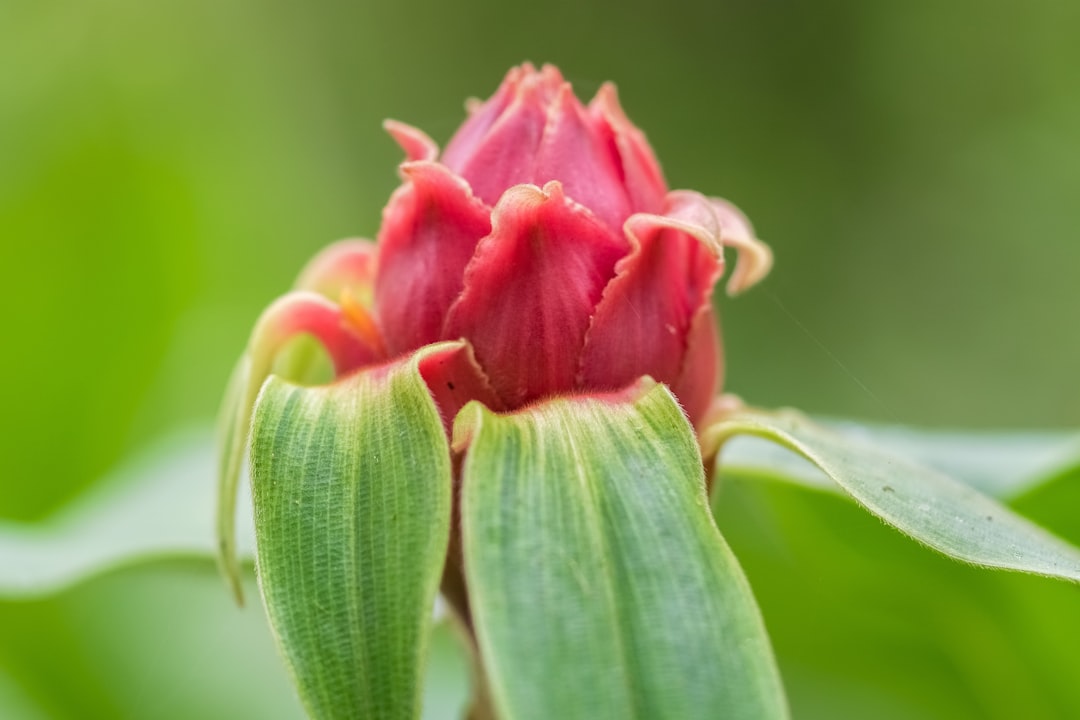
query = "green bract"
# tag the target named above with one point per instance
(352, 510)
(541, 297)
(600, 585)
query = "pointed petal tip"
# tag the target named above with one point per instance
(455, 379)
(551, 73)
(606, 100)
(420, 170)
(431, 177)
(415, 142)
(753, 265)
(641, 170)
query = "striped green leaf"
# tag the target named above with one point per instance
(351, 486)
(599, 583)
(931, 507)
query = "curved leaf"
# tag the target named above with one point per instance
(155, 502)
(351, 486)
(599, 583)
(1000, 463)
(927, 505)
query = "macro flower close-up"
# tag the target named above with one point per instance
(546, 237)
(525, 412)
(496, 361)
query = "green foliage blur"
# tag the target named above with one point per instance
(167, 167)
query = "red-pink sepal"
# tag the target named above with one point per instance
(534, 130)
(702, 373)
(482, 115)
(642, 326)
(754, 260)
(505, 155)
(429, 233)
(346, 265)
(573, 153)
(531, 289)
(454, 378)
(641, 173)
(346, 332)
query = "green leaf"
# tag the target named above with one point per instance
(599, 583)
(927, 505)
(232, 440)
(351, 487)
(15, 704)
(1003, 464)
(898, 632)
(156, 504)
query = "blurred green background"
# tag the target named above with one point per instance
(167, 167)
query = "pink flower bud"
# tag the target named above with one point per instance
(546, 237)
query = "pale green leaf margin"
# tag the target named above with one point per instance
(600, 585)
(351, 485)
(930, 507)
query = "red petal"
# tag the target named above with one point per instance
(643, 323)
(701, 375)
(640, 170)
(481, 117)
(429, 232)
(531, 289)
(574, 154)
(346, 339)
(415, 142)
(755, 258)
(506, 155)
(345, 265)
(454, 378)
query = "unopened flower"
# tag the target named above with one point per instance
(538, 269)
(544, 236)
